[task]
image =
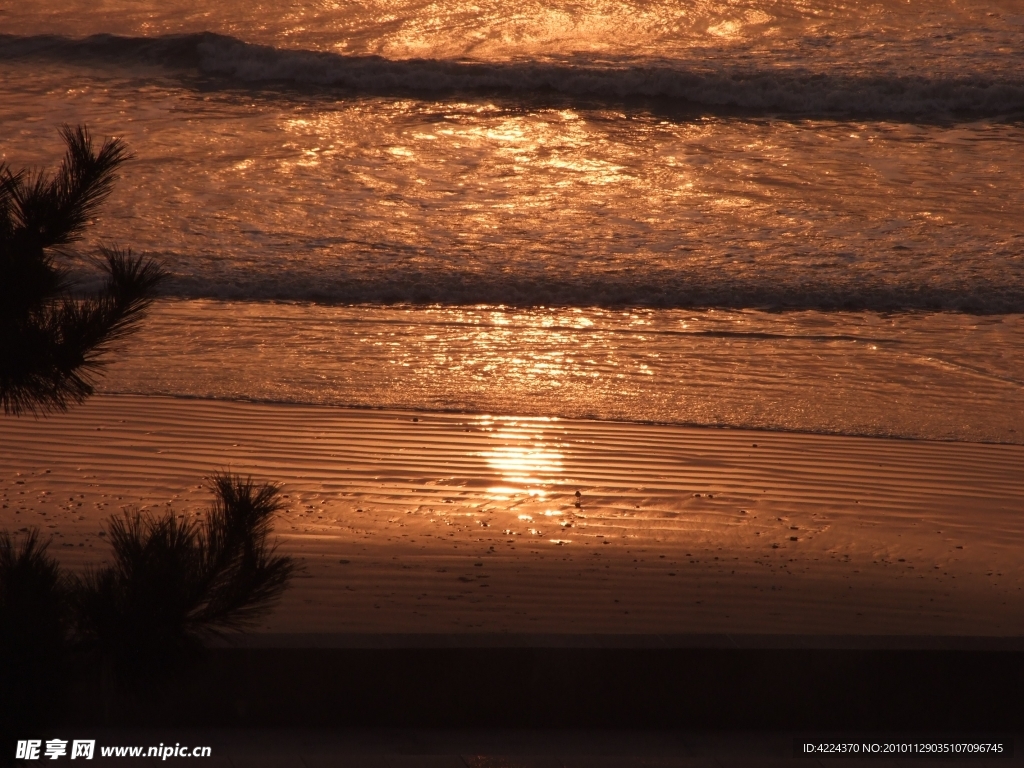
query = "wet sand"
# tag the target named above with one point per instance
(453, 523)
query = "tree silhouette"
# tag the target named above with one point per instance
(35, 628)
(174, 582)
(52, 341)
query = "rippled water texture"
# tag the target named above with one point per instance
(453, 183)
(260, 196)
(518, 158)
(940, 377)
(976, 35)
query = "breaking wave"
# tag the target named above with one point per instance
(685, 289)
(702, 85)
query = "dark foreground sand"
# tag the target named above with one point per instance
(441, 523)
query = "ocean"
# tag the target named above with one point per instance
(791, 214)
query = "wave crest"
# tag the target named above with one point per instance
(705, 86)
(682, 290)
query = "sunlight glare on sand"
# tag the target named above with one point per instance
(526, 455)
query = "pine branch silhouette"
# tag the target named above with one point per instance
(52, 342)
(174, 582)
(35, 630)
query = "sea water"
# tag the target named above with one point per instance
(791, 214)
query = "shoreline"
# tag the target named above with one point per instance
(418, 523)
(931, 377)
(510, 415)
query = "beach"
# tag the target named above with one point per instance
(637, 378)
(409, 522)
